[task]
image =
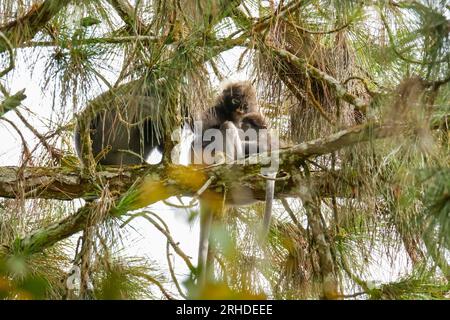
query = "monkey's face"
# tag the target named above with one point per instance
(240, 99)
(239, 106)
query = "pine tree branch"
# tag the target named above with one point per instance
(317, 74)
(127, 13)
(67, 184)
(24, 28)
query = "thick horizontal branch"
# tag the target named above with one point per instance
(63, 184)
(67, 183)
(163, 181)
(24, 28)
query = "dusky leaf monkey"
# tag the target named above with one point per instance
(235, 111)
(125, 124)
(236, 100)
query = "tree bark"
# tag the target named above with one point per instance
(25, 28)
(162, 181)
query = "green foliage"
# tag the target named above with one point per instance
(436, 201)
(11, 102)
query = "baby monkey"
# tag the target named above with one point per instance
(255, 134)
(261, 142)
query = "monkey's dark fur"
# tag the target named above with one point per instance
(123, 133)
(257, 122)
(237, 100)
(235, 111)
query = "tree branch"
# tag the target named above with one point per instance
(163, 181)
(127, 13)
(317, 74)
(24, 28)
(67, 183)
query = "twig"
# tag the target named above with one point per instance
(326, 31)
(201, 190)
(169, 262)
(398, 53)
(91, 41)
(155, 282)
(178, 206)
(41, 138)
(292, 215)
(364, 82)
(128, 14)
(316, 103)
(166, 233)
(9, 47)
(317, 74)
(24, 143)
(172, 272)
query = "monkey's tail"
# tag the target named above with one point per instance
(270, 193)
(206, 218)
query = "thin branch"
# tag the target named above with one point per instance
(292, 216)
(9, 47)
(128, 14)
(41, 138)
(91, 41)
(317, 74)
(364, 82)
(166, 233)
(264, 22)
(168, 244)
(24, 142)
(326, 31)
(317, 104)
(155, 282)
(398, 53)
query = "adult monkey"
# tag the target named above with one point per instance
(221, 120)
(125, 123)
(236, 109)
